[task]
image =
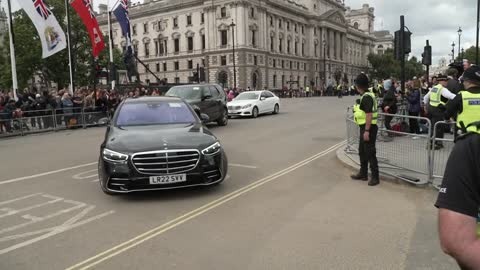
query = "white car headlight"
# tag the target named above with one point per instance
(115, 157)
(212, 149)
(247, 106)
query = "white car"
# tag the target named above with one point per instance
(254, 103)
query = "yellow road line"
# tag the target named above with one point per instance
(99, 258)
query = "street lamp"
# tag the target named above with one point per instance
(453, 52)
(325, 63)
(459, 39)
(463, 53)
(232, 25)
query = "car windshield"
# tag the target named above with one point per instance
(247, 96)
(186, 92)
(154, 113)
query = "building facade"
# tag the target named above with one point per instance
(3, 25)
(278, 43)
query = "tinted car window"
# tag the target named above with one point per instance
(268, 94)
(187, 92)
(214, 91)
(247, 96)
(154, 113)
(220, 90)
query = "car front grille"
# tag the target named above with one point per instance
(234, 107)
(166, 162)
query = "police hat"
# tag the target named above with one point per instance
(472, 74)
(362, 80)
(441, 77)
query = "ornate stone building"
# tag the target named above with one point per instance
(276, 41)
(3, 24)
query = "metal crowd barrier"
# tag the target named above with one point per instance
(50, 120)
(405, 155)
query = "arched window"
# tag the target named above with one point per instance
(223, 79)
(355, 25)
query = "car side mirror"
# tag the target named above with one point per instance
(263, 98)
(205, 118)
(206, 97)
(104, 121)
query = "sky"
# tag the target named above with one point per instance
(435, 20)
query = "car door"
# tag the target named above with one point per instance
(263, 104)
(271, 101)
(208, 103)
(217, 97)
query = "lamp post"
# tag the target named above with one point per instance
(459, 39)
(453, 52)
(232, 25)
(325, 64)
(463, 53)
(478, 30)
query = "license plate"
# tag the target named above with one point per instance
(167, 179)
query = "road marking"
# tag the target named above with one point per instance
(44, 174)
(242, 166)
(80, 176)
(103, 256)
(20, 198)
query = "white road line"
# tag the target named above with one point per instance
(44, 174)
(95, 180)
(20, 198)
(16, 211)
(129, 244)
(80, 176)
(242, 166)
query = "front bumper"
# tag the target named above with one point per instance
(124, 178)
(240, 112)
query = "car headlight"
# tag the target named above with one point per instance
(247, 106)
(212, 149)
(113, 156)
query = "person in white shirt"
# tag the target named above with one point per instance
(435, 100)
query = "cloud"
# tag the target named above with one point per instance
(435, 20)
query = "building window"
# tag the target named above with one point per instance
(271, 21)
(280, 23)
(303, 49)
(296, 29)
(283, 63)
(203, 61)
(177, 80)
(272, 44)
(147, 49)
(288, 46)
(316, 67)
(176, 43)
(190, 64)
(274, 63)
(296, 48)
(164, 66)
(223, 60)
(157, 67)
(223, 12)
(355, 25)
(175, 22)
(203, 42)
(135, 47)
(280, 48)
(145, 27)
(304, 66)
(254, 40)
(291, 65)
(288, 26)
(157, 52)
(315, 31)
(202, 18)
(274, 80)
(189, 20)
(298, 65)
(252, 12)
(283, 80)
(134, 29)
(255, 60)
(316, 50)
(161, 49)
(176, 65)
(303, 29)
(223, 37)
(190, 44)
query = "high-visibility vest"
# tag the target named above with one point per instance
(370, 89)
(339, 87)
(469, 119)
(361, 117)
(436, 96)
(357, 113)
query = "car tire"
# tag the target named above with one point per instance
(102, 179)
(255, 112)
(276, 109)
(223, 121)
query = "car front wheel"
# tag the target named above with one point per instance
(255, 112)
(223, 121)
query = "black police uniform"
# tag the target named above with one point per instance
(367, 150)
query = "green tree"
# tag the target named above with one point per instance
(383, 65)
(54, 68)
(469, 54)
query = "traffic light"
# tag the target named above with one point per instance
(406, 43)
(427, 55)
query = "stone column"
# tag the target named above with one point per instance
(338, 45)
(331, 43)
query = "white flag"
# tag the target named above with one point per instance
(51, 34)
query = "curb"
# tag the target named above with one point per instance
(350, 164)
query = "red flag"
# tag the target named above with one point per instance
(85, 11)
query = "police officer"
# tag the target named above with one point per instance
(340, 90)
(459, 197)
(436, 99)
(366, 114)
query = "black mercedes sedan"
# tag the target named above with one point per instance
(155, 143)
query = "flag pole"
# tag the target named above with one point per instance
(110, 48)
(69, 44)
(12, 52)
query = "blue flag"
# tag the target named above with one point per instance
(121, 13)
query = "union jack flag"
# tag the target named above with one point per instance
(88, 5)
(124, 4)
(41, 8)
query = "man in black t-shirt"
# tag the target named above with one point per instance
(459, 197)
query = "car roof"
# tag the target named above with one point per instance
(255, 92)
(196, 85)
(147, 98)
